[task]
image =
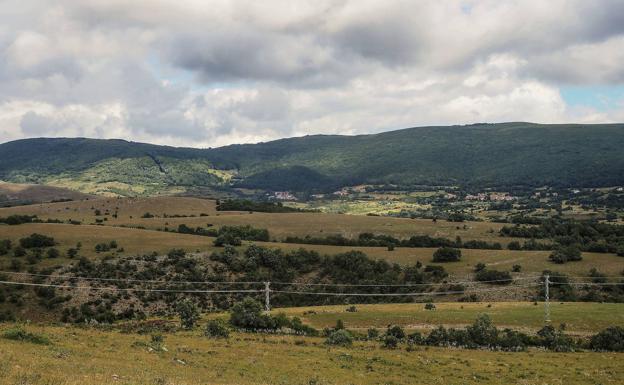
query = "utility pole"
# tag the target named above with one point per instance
(547, 299)
(267, 296)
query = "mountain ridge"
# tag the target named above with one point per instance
(478, 154)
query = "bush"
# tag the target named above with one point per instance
(339, 337)
(494, 277)
(516, 268)
(248, 315)
(18, 333)
(555, 339)
(217, 328)
(36, 240)
(227, 239)
(390, 341)
(188, 312)
(479, 266)
(610, 339)
(483, 332)
(53, 253)
(19, 251)
(566, 254)
(447, 254)
(372, 333)
(430, 306)
(351, 309)
(396, 331)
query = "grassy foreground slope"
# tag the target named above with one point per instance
(87, 357)
(482, 154)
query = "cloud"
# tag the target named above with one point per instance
(198, 74)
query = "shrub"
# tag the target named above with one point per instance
(494, 276)
(566, 254)
(610, 339)
(396, 331)
(430, 306)
(188, 312)
(516, 268)
(479, 266)
(18, 333)
(227, 239)
(390, 341)
(72, 252)
(555, 339)
(483, 332)
(447, 254)
(19, 251)
(248, 315)
(53, 253)
(372, 333)
(217, 328)
(352, 309)
(339, 337)
(36, 240)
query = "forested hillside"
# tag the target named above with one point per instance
(482, 154)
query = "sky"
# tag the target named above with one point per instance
(207, 73)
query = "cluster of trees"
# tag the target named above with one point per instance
(377, 240)
(592, 236)
(228, 235)
(21, 219)
(258, 206)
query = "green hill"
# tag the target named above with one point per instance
(481, 154)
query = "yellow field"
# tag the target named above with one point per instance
(79, 356)
(280, 225)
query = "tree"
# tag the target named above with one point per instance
(447, 254)
(188, 312)
(483, 332)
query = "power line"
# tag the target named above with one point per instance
(125, 289)
(400, 294)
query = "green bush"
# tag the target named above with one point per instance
(36, 240)
(494, 277)
(447, 254)
(18, 333)
(566, 254)
(390, 341)
(610, 339)
(217, 328)
(339, 337)
(188, 313)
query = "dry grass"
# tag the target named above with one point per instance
(88, 357)
(279, 225)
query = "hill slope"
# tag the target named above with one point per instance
(483, 154)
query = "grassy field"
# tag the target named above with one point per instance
(87, 357)
(578, 317)
(138, 241)
(130, 210)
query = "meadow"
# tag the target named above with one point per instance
(88, 356)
